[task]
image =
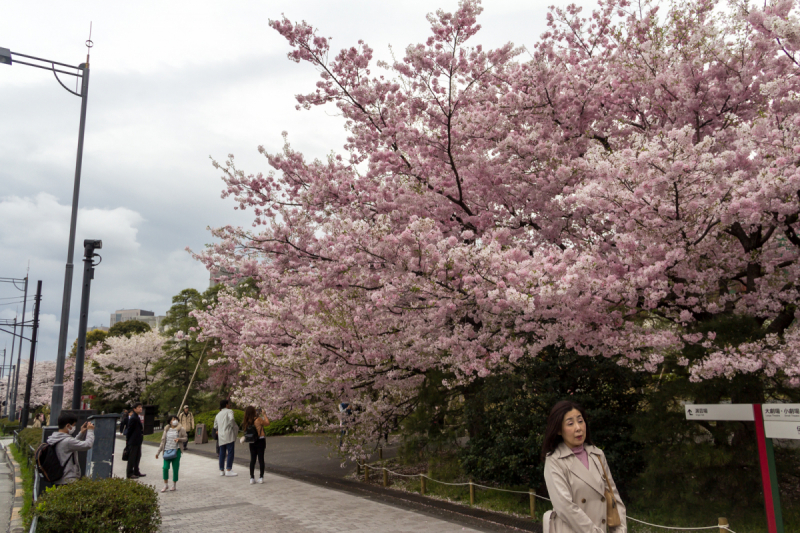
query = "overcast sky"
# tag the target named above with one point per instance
(171, 84)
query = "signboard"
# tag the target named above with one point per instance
(720, 411)
(782, 430)
(781, 420)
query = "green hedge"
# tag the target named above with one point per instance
(98, 506)
(7, 427)
(207, 418)
(287, 424)
(30, 436)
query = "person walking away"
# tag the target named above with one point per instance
(174, 434)
(584, 496)
(134, 436)
(67, 446)
(226, 427)
(37, 422)
(253, 424)
(187, 422)
(123, 423)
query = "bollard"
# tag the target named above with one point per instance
(471, 493)
(422, 484)
(366, 473)
(385, 478)
(723, 522)
(532, 495)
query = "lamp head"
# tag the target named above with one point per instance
(97, 245)
(5, 56)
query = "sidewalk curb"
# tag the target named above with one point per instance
(410, 501)
(15, 525)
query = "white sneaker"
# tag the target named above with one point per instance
(231, 474)
(221, 472)
(252, 481)
(261, 480)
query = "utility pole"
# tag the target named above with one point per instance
(8, 388)
(13, 414)
(2, 369)
(89, 246)
(37, 302)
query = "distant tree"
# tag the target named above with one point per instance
(181, 352)
(128, 328)
(123, 366)
(92, 338)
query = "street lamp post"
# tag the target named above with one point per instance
(9, 58)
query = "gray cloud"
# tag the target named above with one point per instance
(171, 84)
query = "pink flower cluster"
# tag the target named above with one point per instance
(637, 174)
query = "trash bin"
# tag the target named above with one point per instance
(150, 412)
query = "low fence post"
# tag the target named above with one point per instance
(385, 477)
(723, 524)
(366, 473)
(471, 493)
(532, 495)
(422, 484)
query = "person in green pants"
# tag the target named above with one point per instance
(171, 441)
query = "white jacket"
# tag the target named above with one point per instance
(226, 427)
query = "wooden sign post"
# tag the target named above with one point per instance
(773, 421)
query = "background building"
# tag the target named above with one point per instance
(149, 317)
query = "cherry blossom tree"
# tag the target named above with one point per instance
(121, 367)
(619, 190)
(42, 381)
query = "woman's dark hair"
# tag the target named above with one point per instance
(249, 417)
(551, 437)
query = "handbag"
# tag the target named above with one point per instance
(170, 454)
(612, 513)
(126, 453)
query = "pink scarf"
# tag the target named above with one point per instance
(581, 454)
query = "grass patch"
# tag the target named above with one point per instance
(26, 473)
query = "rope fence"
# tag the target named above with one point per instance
(722, 526)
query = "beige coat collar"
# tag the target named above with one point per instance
(593, 476)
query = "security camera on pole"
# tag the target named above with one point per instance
(89, 246)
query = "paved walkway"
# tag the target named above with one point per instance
(207, 502)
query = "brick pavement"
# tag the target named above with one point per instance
(207, 502)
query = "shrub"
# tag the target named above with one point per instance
(7, 427)
(99, 506)
(287, 424)
(30, 437)
(207, 418)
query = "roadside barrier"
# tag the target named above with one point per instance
(722, 524)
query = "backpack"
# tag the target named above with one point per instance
(251, 435)
(47, 462)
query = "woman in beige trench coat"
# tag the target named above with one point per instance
(573, 472)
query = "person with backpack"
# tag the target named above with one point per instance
(62, 466)
(254, 422)
(134, 436)
(171, 440)
(226, 427)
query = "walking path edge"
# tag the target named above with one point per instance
(405, 500)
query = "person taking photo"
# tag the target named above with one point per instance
(67, 445)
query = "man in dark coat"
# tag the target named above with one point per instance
(134, 438)
(123, 421)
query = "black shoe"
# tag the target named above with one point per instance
(134, 476)
(140, 475)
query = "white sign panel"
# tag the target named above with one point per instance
(782, 430)
(781, 412)
(724, 411)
